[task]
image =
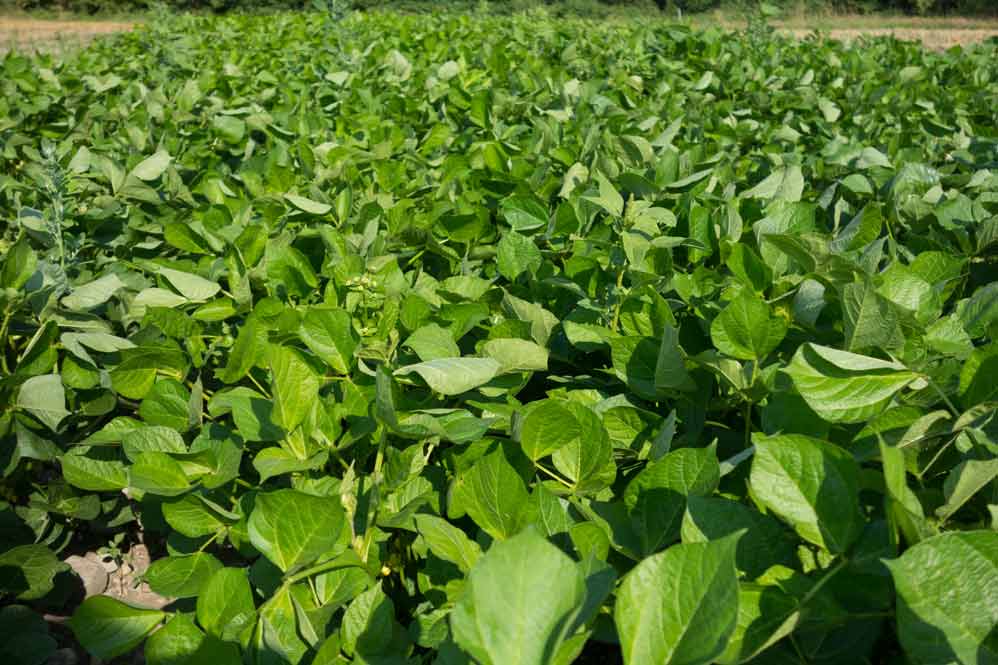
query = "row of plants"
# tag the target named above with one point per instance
(451, 339)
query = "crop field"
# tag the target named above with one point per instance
(453, 338)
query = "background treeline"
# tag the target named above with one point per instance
(968, 7)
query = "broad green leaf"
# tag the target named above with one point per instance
(766, 614)
(656, 497)
(843, 387)
(27, 571)
(947, 598)
(679, 606)
(152, 439)
(277, 637)
(329, 334)
(193, 517)
(516, 614)
(517, 254)
(191, 286)
(249, 348)
(369, 624)
(45, 398)
(746, 330)
(308, 205)
(516, 355)
(810, 484)
(448, 542)
(432, 341)
(524, 213)
(225, 604)
(786, 184)
(296, 387)
(158, 473)
(93, 474)
(182, 576)
(26, 637)
(494, 495)
(965, 480)
(765, 542)
(869, 320)
(548, 426)
(19, 265)
(152, 167)
(108, 628)
(93, 294)
(453, 376)
(293, 529)
(586, 460)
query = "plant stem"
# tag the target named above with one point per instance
(823, 581)
(316, 569)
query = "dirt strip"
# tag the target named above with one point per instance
(940, 39)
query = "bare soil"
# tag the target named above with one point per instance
(25, 34)
(933, 38)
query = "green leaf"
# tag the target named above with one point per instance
(586, 460)
(516, 614)
(182, 576)
(277, 631)
(27, 571)
(158, 473)
(93, 294)
(947, 598)
(293, 529)
(494, 495)
(524, 213)
(192, 287)
(108, 628)
(548, 426)
(26, 636)
(448, 542)
(92, 474)
(843, 387)
(296, 387)
(679, 606)
(431, 342)
(517, 254)
(869, 319)
(670, 367)
(656, 497)
(516, 355)
(745, 330)
(609, 199)
(308, 205)
(766, 615)
(369, 624)
(225, 605)
(167, 404)
(785, 184)
(765, 542)
(453, 376)
(965, 480)
(19, 265)
(192, 516)
(44, 398)
(249, 348)
(329, 334)
(810, 484)
(152, 167)
(152, 439)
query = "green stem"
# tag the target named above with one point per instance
(822, 582)
(620, 300)
(553, 475)
(318, 568)
(3, 339)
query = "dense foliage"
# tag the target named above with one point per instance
(438, 339)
